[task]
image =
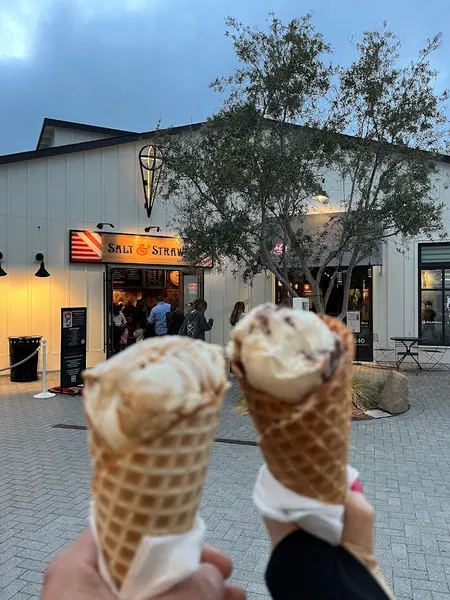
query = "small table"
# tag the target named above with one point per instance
(410, 343)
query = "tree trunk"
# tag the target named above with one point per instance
(318, 303)
(346, 289)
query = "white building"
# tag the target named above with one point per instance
(80, 176)
(77, 177)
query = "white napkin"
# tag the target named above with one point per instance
(277, 502)
(159, 564)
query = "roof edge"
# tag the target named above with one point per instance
(120, 139)
(75, 126)
(129, 138)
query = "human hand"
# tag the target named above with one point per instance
(357, 535)
(74, 575)
(359, 523)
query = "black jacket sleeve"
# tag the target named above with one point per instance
(183, 328)
(203, 324)
(302, 567)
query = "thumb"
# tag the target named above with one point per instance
(206, 584)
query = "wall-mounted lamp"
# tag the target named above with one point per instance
(321, 196)
(3, 273)
(147, 229)
(101, 225)
(42, 271)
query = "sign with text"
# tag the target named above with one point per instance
(136, 249)
(73, 346)
(130, 249)
(354, 320)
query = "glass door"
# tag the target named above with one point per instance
(360, 301)
(191, 287)
(108, 310)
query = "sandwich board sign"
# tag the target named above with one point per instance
(73, 346)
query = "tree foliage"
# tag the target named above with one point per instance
(245, 180)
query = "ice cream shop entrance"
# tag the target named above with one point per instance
(134, 289)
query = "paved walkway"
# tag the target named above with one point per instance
(404, 465)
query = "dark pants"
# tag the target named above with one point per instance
(117, 334)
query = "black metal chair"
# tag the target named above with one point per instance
(433, 358)
(380, 354)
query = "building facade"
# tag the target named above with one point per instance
(46, 194)
(53, 198)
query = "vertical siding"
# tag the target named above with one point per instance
(64, 137)
(40, 201)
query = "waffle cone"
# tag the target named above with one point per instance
(305, 445)
(149, 488)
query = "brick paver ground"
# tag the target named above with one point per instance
(404, 465)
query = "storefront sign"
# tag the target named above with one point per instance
(95, 247)
(73, 346)
(354, 320)
(119, 248)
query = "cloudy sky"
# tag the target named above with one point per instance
(129, 63)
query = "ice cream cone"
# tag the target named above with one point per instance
(151, 488)
(152, 412)
(305, 444)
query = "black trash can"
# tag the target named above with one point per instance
(19, 349)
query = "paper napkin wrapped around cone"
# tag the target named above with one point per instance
(152, 412)
(296, 371)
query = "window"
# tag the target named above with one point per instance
(434, 294)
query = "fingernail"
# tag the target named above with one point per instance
(357, 486)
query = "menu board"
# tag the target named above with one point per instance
(133, 278)
(155, 279)
(127, 278)
(73, 346)
(118, 276)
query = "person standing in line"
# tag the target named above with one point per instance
(123, 344)
(174, 318)
(158, 316)
(195, 324)
(237, 314)
(119, 322)
(138, 332)
(190, 307)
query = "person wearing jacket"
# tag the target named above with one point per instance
(195, 324)
(174, 319)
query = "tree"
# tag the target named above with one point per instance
(245, 179)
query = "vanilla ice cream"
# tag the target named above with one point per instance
(144, 389)
(286, 353)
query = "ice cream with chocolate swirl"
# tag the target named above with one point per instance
(286, 353)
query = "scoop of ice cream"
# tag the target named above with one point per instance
(143, 390)
(285, 353)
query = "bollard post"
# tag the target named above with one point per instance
(45, 393)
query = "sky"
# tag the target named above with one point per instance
(129, 64)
